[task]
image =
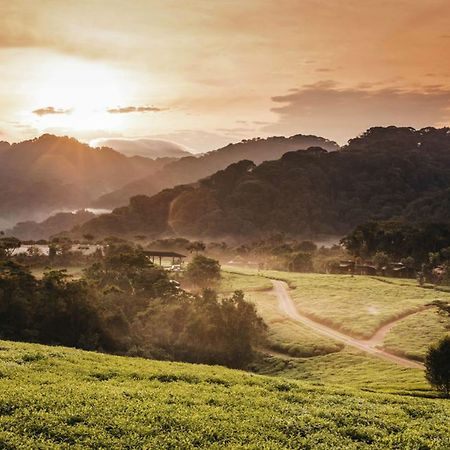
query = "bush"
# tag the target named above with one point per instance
(203, 271)
(437, 364)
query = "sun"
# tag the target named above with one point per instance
(81, 92)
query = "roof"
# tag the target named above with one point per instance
(164, 254)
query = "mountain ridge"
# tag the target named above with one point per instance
(379, 175)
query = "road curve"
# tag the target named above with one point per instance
(288, 307)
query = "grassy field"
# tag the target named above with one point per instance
(349, 367)
(232, 281)
(412, 336)
(285, 335)
(56, 398)
(355, 305)
(310, 356)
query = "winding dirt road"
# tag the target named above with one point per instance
(288, 307)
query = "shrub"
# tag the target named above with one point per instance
(203, 271)
(437, 364)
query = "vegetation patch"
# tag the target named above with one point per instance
(413, 335)
(243, 410)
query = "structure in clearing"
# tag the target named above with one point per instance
(177, 258)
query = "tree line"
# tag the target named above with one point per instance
(124, 304)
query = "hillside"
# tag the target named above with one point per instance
(148, 148)
(54, 397)
(387, 173)
(51, 226)
(191, 168)
(49, 173)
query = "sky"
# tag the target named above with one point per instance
(203, 73)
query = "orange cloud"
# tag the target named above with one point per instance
(325, 108)
(50, 110)
(134, 109)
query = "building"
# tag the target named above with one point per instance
(176, 258)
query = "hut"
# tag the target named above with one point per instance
(176, 258)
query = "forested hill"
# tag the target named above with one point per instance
(49, 173)
(385, 173)
(192, 168)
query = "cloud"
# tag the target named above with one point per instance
(50, 110)
(340, 113)
(134, 109)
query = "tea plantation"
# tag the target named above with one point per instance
(53, 397)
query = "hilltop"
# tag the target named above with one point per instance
(146, 147)
(56, 223)
(192, 168)
(50, 173)
(386, 173)
(54, 397)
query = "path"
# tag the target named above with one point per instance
(288, 307)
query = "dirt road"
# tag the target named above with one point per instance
(288, 307)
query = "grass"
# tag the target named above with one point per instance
(354, 305)
(349, 367)
(57, 398)
(310, 356)
(285, 335)
(231, 281)
(412, 336)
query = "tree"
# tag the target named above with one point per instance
(197, 246)
(203, 271)
(301, 262)
(437, 366)
(381, 260)
(8, 245)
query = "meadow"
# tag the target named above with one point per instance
(285, 335)
(307, 355)
(413, 335)
(59, 398)
(355, 305)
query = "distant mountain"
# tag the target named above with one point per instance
(51, 226)
(50, 173)
(190, 169)
(146, 147)
(386, 173)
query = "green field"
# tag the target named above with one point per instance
(356, 305)
(311, 356)
(231, 281)
(285, 335)
(412, 336)
(53, 398)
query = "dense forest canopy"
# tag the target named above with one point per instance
(192, 168)
(386, 173)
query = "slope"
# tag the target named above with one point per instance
(53, 397)
(192, 168)
(310, 192)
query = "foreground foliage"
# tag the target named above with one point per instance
(53, 397)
